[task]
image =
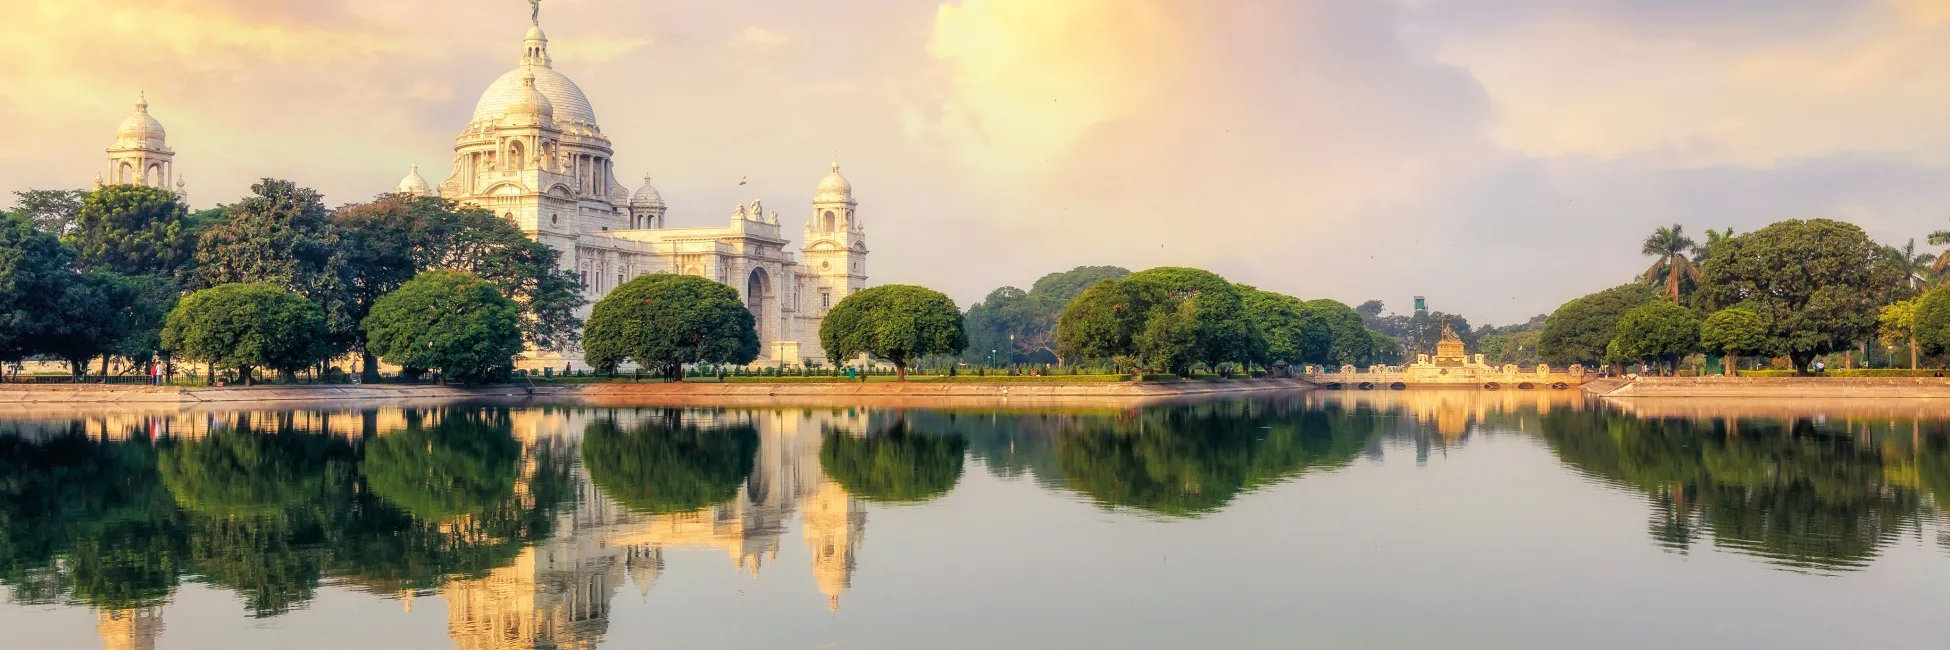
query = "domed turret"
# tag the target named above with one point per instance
(647, 197)
(834, 189)
(414, 184)
(141, 131)
(530, 103)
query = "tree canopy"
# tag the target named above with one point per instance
(447, 321)
(134, 230)
(1015, 326)
(1114, 320)
(896, 322)
(247, 326)
(1658, 331)
(663, 321)
(282, 236)
(1735, 331)
(1816, 284)
(1580, 330)
(35, 279)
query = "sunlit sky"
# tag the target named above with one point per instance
(1498, 156)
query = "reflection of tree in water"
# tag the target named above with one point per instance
(897, 466)
(1192, 460)
(463, 465)
(662, 466)
(87, 521)
(1010, 444)
(257, 502)
(1797, 494)
(266, 513)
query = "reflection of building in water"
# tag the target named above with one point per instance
(835, 523)
(556, 594)
(130, 629)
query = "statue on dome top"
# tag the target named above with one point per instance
(535, 12)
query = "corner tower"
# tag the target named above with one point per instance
(141, 154)
(834, 255)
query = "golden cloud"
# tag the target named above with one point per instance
(1028, 78)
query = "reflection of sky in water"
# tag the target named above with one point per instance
(1410, 520)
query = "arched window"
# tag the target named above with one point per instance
(827, 221)
(516, 160)
(122, 176)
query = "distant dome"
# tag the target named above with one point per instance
(141, 131)
(414, 184)
(834, 188)
(647, 197)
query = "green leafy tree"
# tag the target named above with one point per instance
(1816, 284)
(1224, 332)
(896, 322)
(474, 240)
(1104, 321)
(247, 326)
(35, 278)
(380, 244)
(1015, 326)
(1897, 323)
(896, 467)
(1169, 341)
(98, 312)
(664, 466)
(452, 322)
(1579, 331)
(1350, 343)
(1734, 332)
(1671, 246)
(1288, 326)
(1658, 331)
(134, 230)
(281, 235)
(52, 211)
(664, 321)
(1918, 269)
(1931, 322)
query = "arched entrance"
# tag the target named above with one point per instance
(756, 288)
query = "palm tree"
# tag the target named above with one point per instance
(1919, 269)
(1671, 245)
(1713, 238)
(1940, 238)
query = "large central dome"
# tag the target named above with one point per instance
(571, 107)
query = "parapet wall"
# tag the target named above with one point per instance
(1782, 387)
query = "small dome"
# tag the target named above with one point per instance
(834, 188)
(535, 34)
(141, 131)
(528, 101)
(414, 184)
(647, 197)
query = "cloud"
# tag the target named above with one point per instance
(759, 39)
(593, 49)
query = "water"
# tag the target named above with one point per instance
(1390, 520)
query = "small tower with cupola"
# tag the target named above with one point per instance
(834, 255)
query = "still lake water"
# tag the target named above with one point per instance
(1392, 520)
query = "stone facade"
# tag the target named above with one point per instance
(534, 154)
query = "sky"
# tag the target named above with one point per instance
(1497, 156)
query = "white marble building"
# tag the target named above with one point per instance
(533, 152)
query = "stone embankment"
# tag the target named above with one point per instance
(1774, 387)
(41, 396)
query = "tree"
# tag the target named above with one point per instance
(1348, 342)
(35, 277)
(1671, 246)
(379, 242)
(1580, 329)
(282, 235)
(133, 230)
(1918, 269)
(95, 316)
(52, 211)
(1734, 332)
(247, 326)
(1816, 284)
(663, 466)
(1897, 322)
(1285, 322)
(447, 321)
(1931, 322)
(479, 242)
(896, 322)
(895, 467)
(664, 321)
(1224, 332)
(1105, 320)
(1170, 341)
(1658, 331)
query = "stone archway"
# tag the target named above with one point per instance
(757, 287)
